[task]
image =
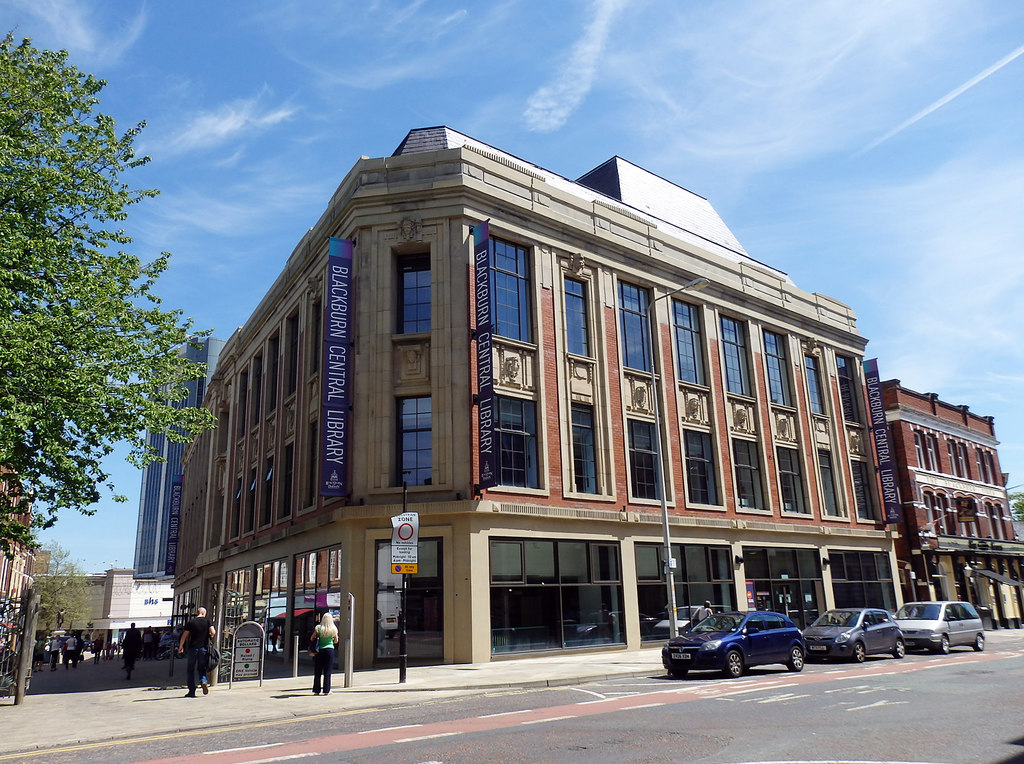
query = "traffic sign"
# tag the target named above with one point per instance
(405, 567)
(405, 538)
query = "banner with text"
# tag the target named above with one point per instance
(883, 443)
(484, 355)
(173, 522)
(337, 370)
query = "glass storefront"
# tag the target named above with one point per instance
(862, 579)
(548, 594)
(318, 588)
(702, 574)
(424, 606)
(270, 604)
(787, 581)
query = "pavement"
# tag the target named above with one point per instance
(95, 702)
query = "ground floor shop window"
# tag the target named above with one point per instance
(317, 589)
(862, 579)
(702, 574)
(270, 603)
(423, 616)
(548, 594)
(787, 581)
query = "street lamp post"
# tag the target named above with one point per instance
(669, 564)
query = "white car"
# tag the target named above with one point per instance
(938, 626)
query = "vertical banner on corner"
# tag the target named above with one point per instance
(336, 379)
(173, 524)
(883, 443)
(483, 286)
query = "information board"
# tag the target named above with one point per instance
(247, 653)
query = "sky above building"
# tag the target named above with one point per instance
(871, 150)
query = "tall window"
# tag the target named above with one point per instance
(287, 480)
(689, 342)
(576, 324)
(414, 294)
(954, 463)
(642, 455)
(236, 510)
(983, 474)
(312, 464)
(292, 368)
(267, 500)
(517, 435)
(316, 325)
(848, 388)
(243, 404)
(814, 390)
(777, 368)
(931, 452)
(250, 502)
(862, 491)
(828, 483)
(584, 461)
(700, 468)
(511, 291)
(749, 494)
(257, 389)
(919, 449)
(415, 454)
(636, 337)
(791, 484)
(734, 353)
(275, 370)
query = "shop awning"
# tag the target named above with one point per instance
(297, 613)
(997, 577)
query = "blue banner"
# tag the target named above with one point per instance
(337, 368)
(484, 356)
(883, 444)
(173, 523)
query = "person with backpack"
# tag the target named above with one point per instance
(198, 633)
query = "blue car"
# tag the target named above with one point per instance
(730, 642)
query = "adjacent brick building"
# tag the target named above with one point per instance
(957, 540)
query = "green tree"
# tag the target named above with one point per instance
(64, 599)
(88, 358)
(1017, 505)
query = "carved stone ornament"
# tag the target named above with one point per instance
(581, 378)
(639, 399)
(785, 427)
(576, 262)
(856, 442)
(510, 368)
(410, 229)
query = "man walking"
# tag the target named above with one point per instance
(198, 633)
(131, 646)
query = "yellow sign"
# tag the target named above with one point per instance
(405, 567)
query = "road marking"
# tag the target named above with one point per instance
(281, 758)
(879, 704)
(506, 713)
(786, 696)
(426, 737)
(589, 692)
(244, 748)
(550, 719)
(389, 729)
(646, 705)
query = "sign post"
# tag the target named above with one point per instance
(405, 544)
(247, 652)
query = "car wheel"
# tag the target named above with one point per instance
(733, 668)
(899, 649)
(859, 653)
(944, 644)
(979, 642)
(677, 673)
(796, 659)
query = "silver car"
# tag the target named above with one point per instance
(853, 634)
(938, 626)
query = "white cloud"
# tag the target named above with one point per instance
(77, 27)
(551, 105)
(238, 119)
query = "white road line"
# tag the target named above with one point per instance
(282, 758)
(589, 692)
(787, 696)
(550, 719)
(390, 729)
(426, 737)
(879, 704)
(646, 705)
(243, 748)
(507, 713)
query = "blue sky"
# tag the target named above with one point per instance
(872, 150)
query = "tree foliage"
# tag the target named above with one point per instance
(64, 599)
(1017, 505)
(88, 357)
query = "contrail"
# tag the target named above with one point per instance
(945, 99)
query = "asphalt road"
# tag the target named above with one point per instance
(959, 708)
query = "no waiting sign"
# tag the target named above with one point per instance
(405, 538)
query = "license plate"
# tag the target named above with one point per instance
(822, 648)
(682, 655)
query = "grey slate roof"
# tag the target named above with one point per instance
(673, 208)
